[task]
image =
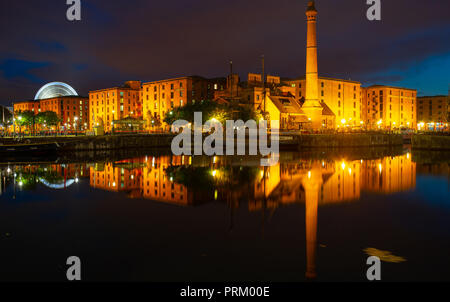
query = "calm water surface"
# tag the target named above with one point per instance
(165, 218)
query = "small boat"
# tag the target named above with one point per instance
(30, 149)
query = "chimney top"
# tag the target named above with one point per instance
(311, 6)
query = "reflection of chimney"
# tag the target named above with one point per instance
(312, 183)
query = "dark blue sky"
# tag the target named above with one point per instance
(149, 40)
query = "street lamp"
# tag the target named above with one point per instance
(76, 125)
(20, 127)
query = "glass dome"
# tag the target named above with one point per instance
(55, 89)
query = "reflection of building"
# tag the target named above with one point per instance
(54, 176)
(389, 175)
(344, 184)
(111, 104)
(112, 177)
(441, 169)
(387, 107)
(271, 187)
(342, 181)
(157, 185)
(143, 178)
(432, 112)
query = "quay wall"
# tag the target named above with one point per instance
(431, 142)
(343, 140)
(98, 143)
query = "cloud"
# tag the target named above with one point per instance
(15, 68)
(150, 40)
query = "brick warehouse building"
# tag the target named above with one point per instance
(112, 104)
(72, 110)
(160, 97)
(433, 112)
(388, 107)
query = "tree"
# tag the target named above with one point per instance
(25, 118)
(212, 110)
(154, 121)
(48, 118)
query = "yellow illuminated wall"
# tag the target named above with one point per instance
(156, 185)
(108, 105)
(343, 97)
(387, 107)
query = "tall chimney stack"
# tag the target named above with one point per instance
(312, 107)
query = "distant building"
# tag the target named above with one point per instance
(342, 97)
(432, 112)
(250, 92)
(72, 110)
(5, 115)
(388, 107)
(58, 97)
(110, 104)
(161, 97)
(34, 106)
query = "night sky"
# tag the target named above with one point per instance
(150, 40)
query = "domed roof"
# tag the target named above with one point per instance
(55, 89)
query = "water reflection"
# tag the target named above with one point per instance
(192, 181)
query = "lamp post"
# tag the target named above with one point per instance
(20, 127)
(344, 122)
(76, 126)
